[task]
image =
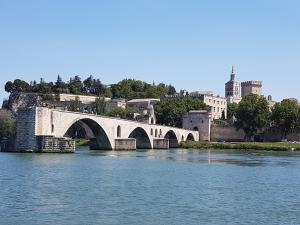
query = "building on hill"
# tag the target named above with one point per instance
(115, 103)
(251, 87)
(85, 99)
(217, 104)
(233, 88)
(147, 106)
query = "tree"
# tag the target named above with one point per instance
(286, 116)
(9, 87)
(223, 115)
(252, 115)
(75, 85)
(171, 90)
(99, 106)
(170, 111)
(76, 105)
(7, 124)
(231, 110)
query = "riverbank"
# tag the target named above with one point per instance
(243, 146)
(82, 142)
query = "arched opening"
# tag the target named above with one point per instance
(195, 129)
(190, 137)
(182, 138)
(160, 132)
(141, 137)
(119, 131)
(155, 132)
(151, 131)
(90, 129)
(173, 142)
(152, 121)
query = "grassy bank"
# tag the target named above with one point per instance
(82, 142)
(243, 145)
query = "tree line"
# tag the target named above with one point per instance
(253, 115)
(127, 88)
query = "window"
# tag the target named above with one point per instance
(119, 131)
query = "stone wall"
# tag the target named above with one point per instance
(50, 144)
(226, 133)
(25, 130)
(272, 135)
(198, 120)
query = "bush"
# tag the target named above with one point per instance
(7, 124)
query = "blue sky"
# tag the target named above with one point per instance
(189, 43)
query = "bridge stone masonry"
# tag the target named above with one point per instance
(42, 129)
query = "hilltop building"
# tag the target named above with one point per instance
(217, 104)
(251, 87)
(115, 103)
(147, 106)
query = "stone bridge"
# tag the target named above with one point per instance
(46, 129)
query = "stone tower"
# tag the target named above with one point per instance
(251, 87)
(233, 88)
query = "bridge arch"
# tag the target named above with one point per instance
(173, 141)
(190, 137)
(142, 138)
(97, 135)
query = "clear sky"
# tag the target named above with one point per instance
(189, 43)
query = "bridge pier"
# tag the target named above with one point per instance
(161, 143)
(125, 144)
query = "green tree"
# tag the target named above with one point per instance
(7, 124)
(231, 110)
(75, 85)
(170, 111)
(252, 115)
(286, 116)
(76, 105)
(99, 106)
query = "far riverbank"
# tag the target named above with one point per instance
(243, 146)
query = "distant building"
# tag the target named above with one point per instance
(85, 99)
(217, 104)
(251, 87)
(271, 103)
(146, 105)
(233, 88)
(115, 103)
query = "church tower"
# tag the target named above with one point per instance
(233, 88)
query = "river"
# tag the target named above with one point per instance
(160, 187)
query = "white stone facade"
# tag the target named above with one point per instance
(217, 104)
